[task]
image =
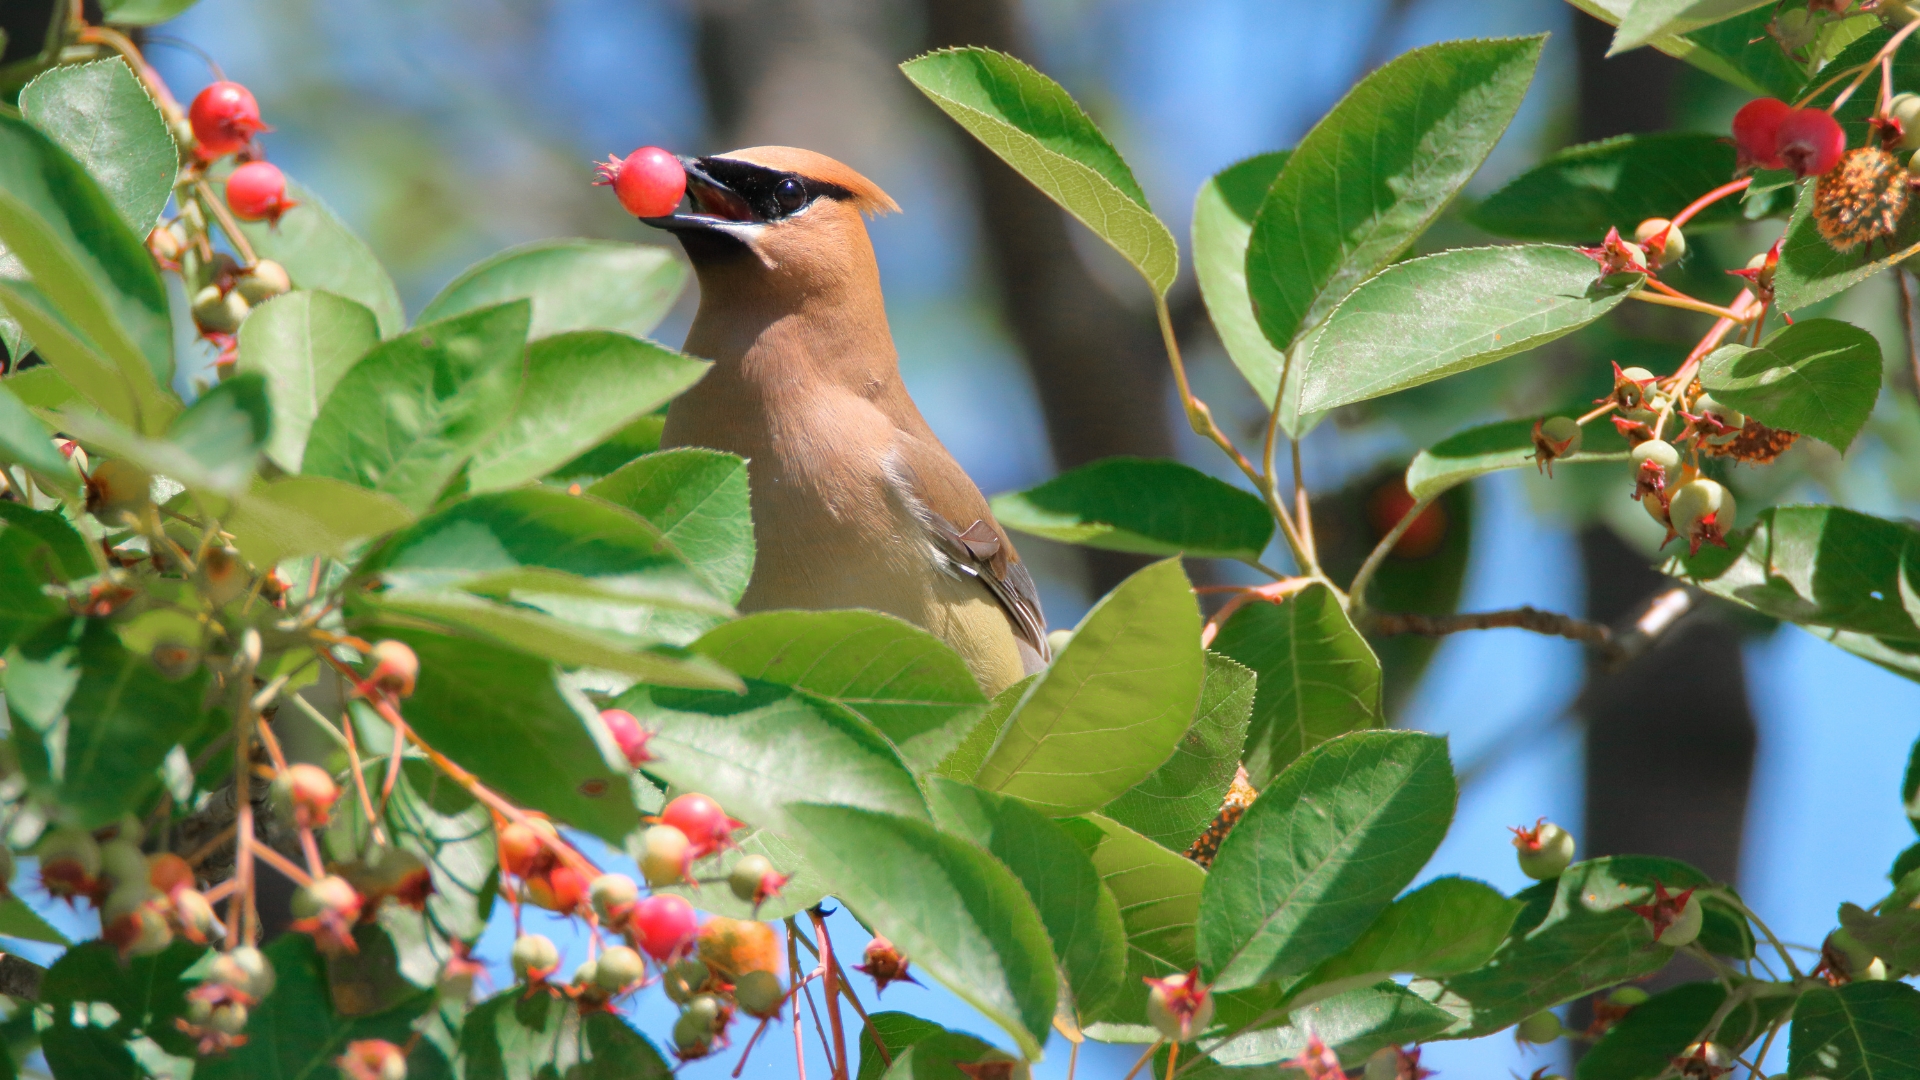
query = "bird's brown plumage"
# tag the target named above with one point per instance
(855, 501)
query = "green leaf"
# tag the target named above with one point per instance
(407, 417)
(1448, 926)
(1080, 915)
(1894, 936)
(1175, 804)
(640, 437)
(698, 499)
(18, 920)
(143, 12)
(309, 515)
(1354, 1024)
(1146, 506)
(804, 887)
(964, 762)
(1819, 566)
(99, 113)
(1508, 444)
(320, 252)
(146, 991)
(496, 544)
(88, 267)
(1650, 19)
(1576, 195)
(69, 555)
(519, 1036)
(1321, 853)
(574, 285)
(435, 819)
(1375, 172)
(1317, 677)
(580, 388)
(1741, 52)
(1810, 270)
(961, 915)
(24, 440)
(1575, 936)
(1818, 376)
(42, 387)
(87, 1053)
(1223, 215)
(211, 448)
(757, 752)
(1860, 1031)
(540, 634)
(1643, 1044)
(303, 343)
(1036, 127)
(296, 1032)
(921, 1050)
(908, 684)
(1159, 897)
(1113, 706)
(510, 719)
(1428, 318)
(96, 750)
(27, 566)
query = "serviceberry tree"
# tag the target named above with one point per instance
(453, 554)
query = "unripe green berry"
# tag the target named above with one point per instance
(1906, 109)
(746, 876)
(265, 281)
(1686, 928)
(1656, 450)
(1676, 248)
(1544, 851)
(1795, 28)
(620, 967)
(217, 311)
(1704, 405)
(125, 865)
(228, 1018)
(1540, 1028)
(1697, 498)
(684, 979)
(692, 1037)
(587, 974)
(1170, 1023)
(1562, 429)
(1711, 1054)
(611, 892)
(1628, 997)
(533, 957)
(664, 855)
(1383, 1064)
(758, 994)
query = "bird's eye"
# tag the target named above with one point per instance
(790, 195)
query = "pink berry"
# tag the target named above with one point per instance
(225, 118)
(649, 183)
(1756, 132)
(257, 191)
(706, 825)
(664, 925)
(1811, 142)
(395, 667)
(629, 734)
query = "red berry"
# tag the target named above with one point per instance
(706, 825)
(395, 667)
(1810, 142)
(225, 118)
(649, 183)
(560, 889)
(167, 872)
(664, 925)
(1756, 132)
(312, 792)
(521, 847)
(629, 734)
(1389, 503)
(257, 191)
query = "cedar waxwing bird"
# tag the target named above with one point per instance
(855, 501)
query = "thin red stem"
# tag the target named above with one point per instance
(832, 988)
(1709, 199)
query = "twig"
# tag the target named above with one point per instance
(1273, 593)
(1144, 1058)
(211, 846)
(227, 225)
(283, 864)
(1661, 614)
(1684, 303)
(20, 977)
(1709, 199)
(1523, 618)
(794, 979)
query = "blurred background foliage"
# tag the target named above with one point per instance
(445, 130)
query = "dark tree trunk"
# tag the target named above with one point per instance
(1670, 739)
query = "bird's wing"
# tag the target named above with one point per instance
(961, 529)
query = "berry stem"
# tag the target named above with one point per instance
(1707, 200)
(1274, 593)
(1860, 74)
(832, 987)
(1357, 589)
(280, 862)
(228, 225)
(795, 980)
(1666, 297)
(1144, 1058)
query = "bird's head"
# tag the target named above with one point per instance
(792, 211)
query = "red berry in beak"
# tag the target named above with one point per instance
(1756, 133)
(257, 191)
(649, 183)
(1810, 142)
(225, 118)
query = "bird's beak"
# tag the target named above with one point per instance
(716, 207)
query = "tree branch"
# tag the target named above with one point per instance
(20, 977)
(1522, 618)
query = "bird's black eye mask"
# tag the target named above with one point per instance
(740, 191)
